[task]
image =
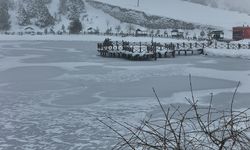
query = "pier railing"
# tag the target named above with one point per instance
(154, 50)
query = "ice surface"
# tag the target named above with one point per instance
(53, 91)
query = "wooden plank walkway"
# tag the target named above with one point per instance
(147, 51)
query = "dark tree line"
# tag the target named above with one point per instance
(4, 15)
(36, 12)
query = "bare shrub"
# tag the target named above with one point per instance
(195, 128)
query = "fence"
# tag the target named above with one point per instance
(147, 51)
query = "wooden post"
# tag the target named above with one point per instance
(239, 46)
(122, 45)
(173, 53)
(112, 46)
(190, 45)
(117, 46)
(228, 46)
(140, 47)
(155, 54)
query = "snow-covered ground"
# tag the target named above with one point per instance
(190, 12)
(53, 91)
(245, 41)
(85, 38)
(176, 9)
(233, 53)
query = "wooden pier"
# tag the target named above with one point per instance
(147, 51)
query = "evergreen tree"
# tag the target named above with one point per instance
(118, 28)
(45, 31)
(75, 8)
(202, 33)
(44, 18)
(22, 16)
(38, 10)
(62, 7)
(4, 15)
(11, 4)
(130, 27)
(63, 29)
(31, 8)
(75, 27)
(73, 13)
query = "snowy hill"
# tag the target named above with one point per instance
(186, 11)
(89, 17)
(157, 14)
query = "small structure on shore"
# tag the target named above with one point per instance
(177, 34)
(139, 32)
(240, 33)
(216, 35)
(29, 30)
(90, 30)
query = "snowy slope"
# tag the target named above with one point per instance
(175, 9)
(98, 19)
(185, 11)
(92, 18)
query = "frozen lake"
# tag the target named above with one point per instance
(52, 92)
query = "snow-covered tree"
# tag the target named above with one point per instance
(11, 4)
(75, 8)
(118, 28)
(130, 27)
(31, 8)
(97, 30)
(23, 18)
(202, 33)
(73, 13)
(62, 9)
(63, 29)
(45, 31)
(37, 10)
(4, 15)
(109, 31)
(75, 27)
(44, 17)
(107, 23)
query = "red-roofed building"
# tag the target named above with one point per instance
(240, 33)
